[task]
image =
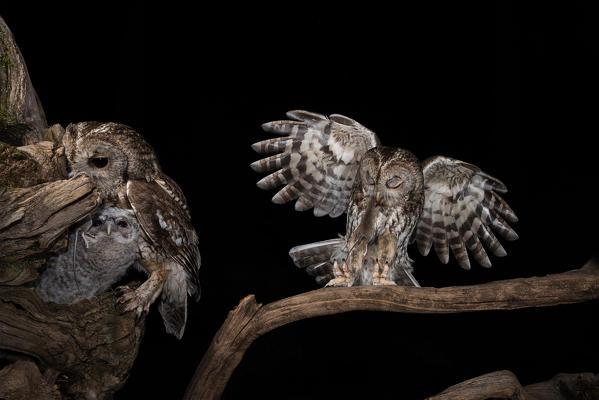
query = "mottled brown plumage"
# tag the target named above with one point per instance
(336, 165)
(126, 172)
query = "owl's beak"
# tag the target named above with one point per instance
(108, 227)
(378, 198)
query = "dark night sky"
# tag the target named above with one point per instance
(507, 87)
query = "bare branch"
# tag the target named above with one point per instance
(249, 320)
(496, 385)
(505, 385)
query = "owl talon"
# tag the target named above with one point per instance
(381, 278)
(342, 275)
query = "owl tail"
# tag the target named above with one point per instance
(173, 304)
(316, 258)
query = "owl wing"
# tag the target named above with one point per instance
(460, 208)
(317, 162)
(161, 209)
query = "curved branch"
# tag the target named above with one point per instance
(505, 385)
(250, 320)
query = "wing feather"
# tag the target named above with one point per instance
(317, 162)
(161, 210)
(461, 210)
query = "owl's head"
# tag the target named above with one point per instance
(390, 176)
(110, 225)
(109, 153)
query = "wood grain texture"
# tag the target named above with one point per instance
(22, 119)
(505, 385)
(33, 219)
(91, 343)
(249, 320)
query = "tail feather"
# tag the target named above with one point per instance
(316, 258)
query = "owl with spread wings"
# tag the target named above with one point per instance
(335, 165)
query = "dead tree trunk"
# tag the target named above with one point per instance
(81, 350)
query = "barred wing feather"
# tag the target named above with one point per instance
(317, 160)
(461, 211)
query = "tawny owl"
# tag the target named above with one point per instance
(336, 165)
(99, 253)
(126, 171)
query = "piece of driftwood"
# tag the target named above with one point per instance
(250, 320)
(505, 385)
(82, 350)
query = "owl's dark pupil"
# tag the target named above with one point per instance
(97, 223)
(99, 162)
(122, 224)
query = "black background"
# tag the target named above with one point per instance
(509, 87)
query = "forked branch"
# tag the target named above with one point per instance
(250, 320)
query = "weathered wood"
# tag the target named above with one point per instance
(505, 385)
(250, 320)
(23, 380)
(87, 349)
(91, 343)
(495, 385)
(22, 119)
(33, 219)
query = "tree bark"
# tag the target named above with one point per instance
(250, 320)
(22, 119)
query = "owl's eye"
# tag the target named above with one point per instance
(394, 182)
(99, 162)
(97, 223)
(122, 224)
(369, 179)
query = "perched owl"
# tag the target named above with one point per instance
(99, 253)
(336, 165)
(127, 174)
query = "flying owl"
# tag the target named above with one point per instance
(99, 253)
(336, 165)
(127, 174)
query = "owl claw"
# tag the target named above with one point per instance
(342, 275)
(381, 278)
(132, 300)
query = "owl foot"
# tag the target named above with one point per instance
(138, 300)
(380, 278)
(342, 275)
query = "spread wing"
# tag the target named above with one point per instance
(461, 209)
(161, 209)
(317, 162)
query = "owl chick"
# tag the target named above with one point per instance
(99, 253)
(127, 174)
(336, 165)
